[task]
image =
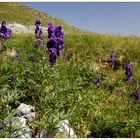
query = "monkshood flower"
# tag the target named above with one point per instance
(60, 40)
(137, 95)
(56, 41)
(18, 56)
(51, 44)
(112, 60)
(37, 23)
(97, 81)
(58, 32)
(38, 32)
(128, 68)
(51, 30)
(5, 33)
(53, 56)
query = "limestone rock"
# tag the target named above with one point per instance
(64, 130)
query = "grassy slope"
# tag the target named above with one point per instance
(110, 111)
(16, 12)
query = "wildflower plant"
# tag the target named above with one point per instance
(97, 81)
(55, 43)
(137, 95)
(112, 60)
(18, 57)
(5, 34)
(38, 33)
(128, 72)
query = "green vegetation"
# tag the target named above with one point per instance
(66, 91)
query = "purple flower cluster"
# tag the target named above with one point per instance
(112, 60)
(56, 42)
(38, 31)
(18, 58)
(128, 68)
(5, 33)
(97, 81)
(137, 95)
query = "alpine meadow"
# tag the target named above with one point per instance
(59, 81)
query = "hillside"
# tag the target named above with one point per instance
(66, 90)
(25, 16)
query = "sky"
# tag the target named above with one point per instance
(108, 18)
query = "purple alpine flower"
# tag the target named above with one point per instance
(56, 41)
(37, 23)
(5, 33)
(18, 56)
(137, 95)
(51, 30)
(97, 81)
(51, 44)
(53, 56)
(128, 68)
(112, 60)
(38, 33)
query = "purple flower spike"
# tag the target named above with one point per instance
(3, 23)
(38, 33)
(137, 95)
(128, 72)
(97, 82)
(37, 23)
(112, 60)
(53, 56)
(56, 42)
(18, 56)
(51, 30)
(5, 33)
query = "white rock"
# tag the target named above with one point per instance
(27, 111)
(30, 116)
(65, 130)
(24, 130)
(43, 134)
(19, 28)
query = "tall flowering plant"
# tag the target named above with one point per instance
(128, 72)
(137, 95)
(112, 60)
(55, 43)
(97, 81)
(5, 34)
(38, 33)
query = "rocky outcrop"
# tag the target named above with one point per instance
(19, 28)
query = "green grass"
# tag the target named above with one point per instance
(66, 91)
